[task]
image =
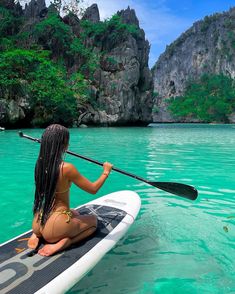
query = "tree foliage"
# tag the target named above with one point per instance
(111, 31)
(31, 74)
(212, 98)
(48, 64)
(9, 23)
(54, 34)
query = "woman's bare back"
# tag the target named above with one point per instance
(64, 226)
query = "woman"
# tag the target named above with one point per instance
(53, 220)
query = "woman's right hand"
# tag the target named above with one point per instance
(107, 167)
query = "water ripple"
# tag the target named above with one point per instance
(175, 243)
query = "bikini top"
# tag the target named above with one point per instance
(57, 192)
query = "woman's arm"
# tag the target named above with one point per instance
(74, 176)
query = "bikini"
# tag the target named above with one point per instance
(63, 211)
(66, 212)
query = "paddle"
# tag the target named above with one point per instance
(178, 189)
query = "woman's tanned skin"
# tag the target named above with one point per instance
(62, 227)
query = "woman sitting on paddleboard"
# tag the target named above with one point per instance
(53, 220)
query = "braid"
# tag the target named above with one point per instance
(54, 141)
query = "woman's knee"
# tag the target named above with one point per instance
(87, 221)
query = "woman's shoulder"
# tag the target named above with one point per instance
(68, 167)
(69, 170)
(66, 164)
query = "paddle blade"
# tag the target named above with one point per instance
(178, 189)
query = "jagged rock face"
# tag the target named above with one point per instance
(207, 47)
(35, 9)
(122, 85)
(92, 14)
(123, 101)
(128, 15)
(232, 118)
(11, 112)
(11, 5)
(74, 22)
(124, 81)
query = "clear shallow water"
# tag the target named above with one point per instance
(175, 245)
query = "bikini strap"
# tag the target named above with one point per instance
(66, 212)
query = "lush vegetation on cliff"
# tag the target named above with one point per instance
(47, 65)
(30, 73)
(211, 99)
(199, 67)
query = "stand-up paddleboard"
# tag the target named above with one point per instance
(24, 271)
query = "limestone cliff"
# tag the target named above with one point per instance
(123, 82)
(120, 86)
(207, 47)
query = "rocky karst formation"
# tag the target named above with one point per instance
(207, 47)
(35, 9)
(122, 82)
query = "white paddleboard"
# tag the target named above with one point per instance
(24, 271)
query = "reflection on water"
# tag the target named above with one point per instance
(175, 243)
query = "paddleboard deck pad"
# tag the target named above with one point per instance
(24, 271)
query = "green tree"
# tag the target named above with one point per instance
(212, 98)
(26, 73)
(111, 31)
(9, 22)
(80, 86)
(54, 35)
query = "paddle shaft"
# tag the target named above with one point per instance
(90, 160)
(179, 189)
(113, 168)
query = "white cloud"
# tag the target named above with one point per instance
(161, 26)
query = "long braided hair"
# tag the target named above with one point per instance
(54, 142)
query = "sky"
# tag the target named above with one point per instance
(162, 20)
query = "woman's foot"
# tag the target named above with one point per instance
(33, 241)
(50, 249)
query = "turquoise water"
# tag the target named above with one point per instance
(175, 245)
